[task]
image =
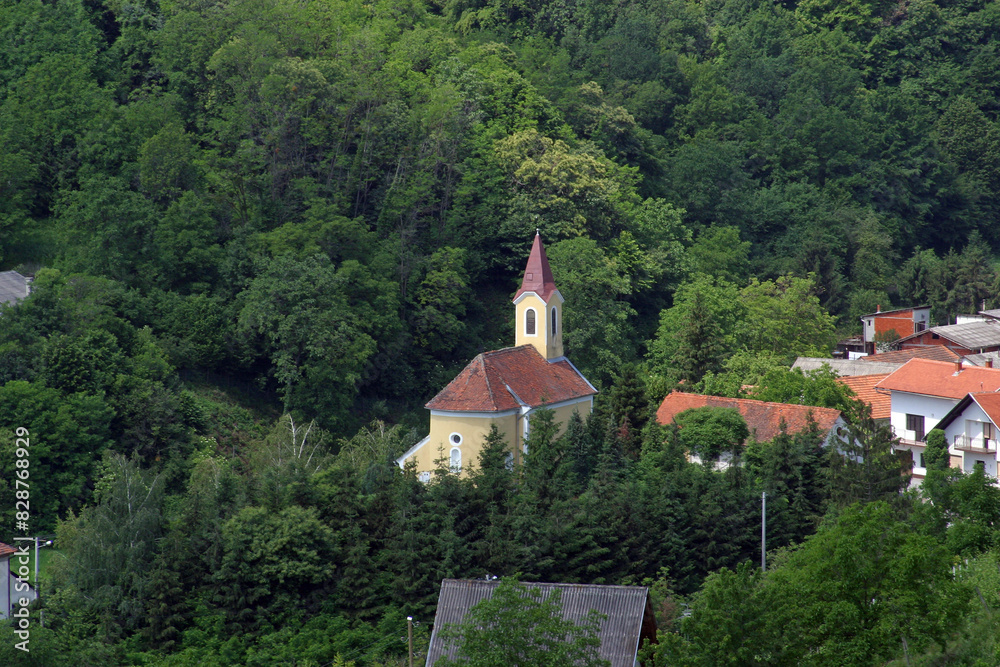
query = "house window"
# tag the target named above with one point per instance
(915, 423)
(989, 431)
(529, 322)
(555, 326)
(920, 460)
(456, 460)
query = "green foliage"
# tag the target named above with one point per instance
(936, 456)
(863, 465)
(326, 207)
(519, 625)
(817, 387)
(709, 432)
(865, 586)
(111, 545)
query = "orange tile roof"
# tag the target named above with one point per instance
(6, 550)
(939, 378)
(494, 381)
(863, 387)
(537, 274)
(762, 417)
(989, 401)
(934, 352)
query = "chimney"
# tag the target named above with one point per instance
(878, 308)
(958, 366)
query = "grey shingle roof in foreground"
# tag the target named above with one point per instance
(628, 610)
(13, 287)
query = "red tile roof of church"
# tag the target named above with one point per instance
(487, 383)
(763, 418)
(537, 274)
(941, 378)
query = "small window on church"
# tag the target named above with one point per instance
(529, 322)
(456, 439)
(555, 326)
(456, 460)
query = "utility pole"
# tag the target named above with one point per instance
(763, 531)
(409, 637)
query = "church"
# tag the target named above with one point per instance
(504, 387)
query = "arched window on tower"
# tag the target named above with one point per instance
(529, 322)
(555, 321)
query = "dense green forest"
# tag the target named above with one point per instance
(263, 233)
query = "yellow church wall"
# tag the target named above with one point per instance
(548, 346)
(473, 431)
(561, 415)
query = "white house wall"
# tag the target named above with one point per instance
(933, 409)
(957, 427)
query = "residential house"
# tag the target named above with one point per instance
(627, 609)
(971, 430)
(922, 392)
(764, 419)
(13, 287)
(505, 387)
(962, 339)
(12, 589)
(889, 325)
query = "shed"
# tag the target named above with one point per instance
(13, 287)
(629, 614)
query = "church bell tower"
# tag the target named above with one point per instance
(538, 306)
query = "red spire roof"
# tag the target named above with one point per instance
(537, 274)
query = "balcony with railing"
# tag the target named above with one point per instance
(966, 443)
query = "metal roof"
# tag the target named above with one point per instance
(970, 335)
(846, 367)
(13, 287)
(626, 608)
(980, 359)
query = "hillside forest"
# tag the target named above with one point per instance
(264, 233)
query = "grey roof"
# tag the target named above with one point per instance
(980, 359)
(13, 287)
(971, 335)
(993, 313)
(846, 367)
(626, 608)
